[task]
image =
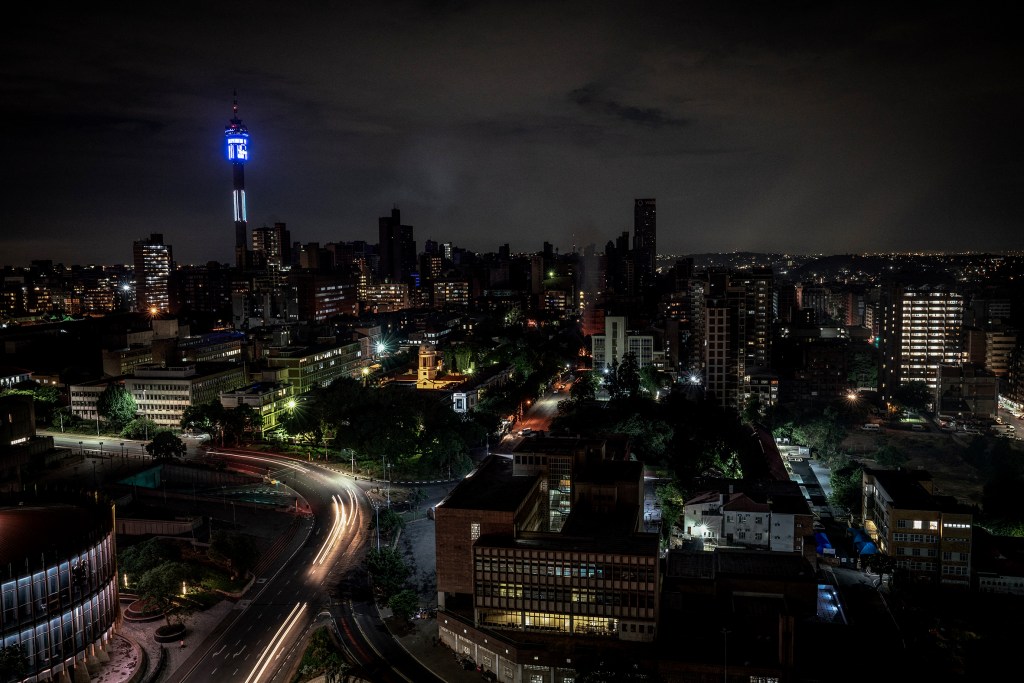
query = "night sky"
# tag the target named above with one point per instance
(787, 127)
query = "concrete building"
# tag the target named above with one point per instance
(162, 394)
(772, 515)
(966, 390)
(525, 601)
(608, 349)
(921, 330)
(929, 536)
(153, 266)
(316, 366)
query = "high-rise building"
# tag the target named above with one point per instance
(236, 140)
(645, 240)
(153, 264)
(725, 324)
(921, 330)
(273, 244)
(397, 249)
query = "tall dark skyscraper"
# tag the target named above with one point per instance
(645, 240)
(236, 140)
(397, 249)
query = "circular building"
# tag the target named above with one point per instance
(58, 583)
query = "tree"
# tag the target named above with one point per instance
(418, 497)
(585, 387)
(237, 550)
(322, 658)
(117, 405)
(139, 428)
(672, 504)
(13, 662)
(390, 522)
(649, 438)
(846, 482)
(141, 557)
(404, 604)
(890, 456)
(387, 571)
(161, 587)
(752, 409)
(912, 396)
(627, 377)
(166, 446)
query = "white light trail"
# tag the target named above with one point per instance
(275, 643)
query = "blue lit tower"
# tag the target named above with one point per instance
(236, 139)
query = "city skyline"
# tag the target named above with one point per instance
(822, 130)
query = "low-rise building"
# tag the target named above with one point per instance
(929, 536)
(525, 601)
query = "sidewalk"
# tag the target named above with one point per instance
(421, 642)
(198, 627)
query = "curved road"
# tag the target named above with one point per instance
(318, 578)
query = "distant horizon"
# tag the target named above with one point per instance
(821, 128)
(659, 257)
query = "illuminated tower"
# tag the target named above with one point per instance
(236, 138)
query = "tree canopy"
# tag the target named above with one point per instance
(166, 446)
(116, 405)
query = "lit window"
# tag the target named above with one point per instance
(474, 531)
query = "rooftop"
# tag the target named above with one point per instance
(490, 487)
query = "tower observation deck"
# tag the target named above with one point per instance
(236, 139)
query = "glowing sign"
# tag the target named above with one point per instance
(238, 147)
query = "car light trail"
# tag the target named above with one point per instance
(336, 528)
(275, 643)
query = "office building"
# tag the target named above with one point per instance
(525, 601)
(153, 266)
(928, 535)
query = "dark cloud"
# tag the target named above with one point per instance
(593, 97)
(793, 126)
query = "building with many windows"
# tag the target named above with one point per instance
(929, 536)
(153, 265)
(609, 348)
(58, 589)
(772, 515)
(524, 594)
(162, 394)
(921, 329)
(308, 367)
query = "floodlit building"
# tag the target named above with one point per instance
(59, 583)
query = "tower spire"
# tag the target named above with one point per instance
(236, 138)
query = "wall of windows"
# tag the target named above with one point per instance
(55, 612)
